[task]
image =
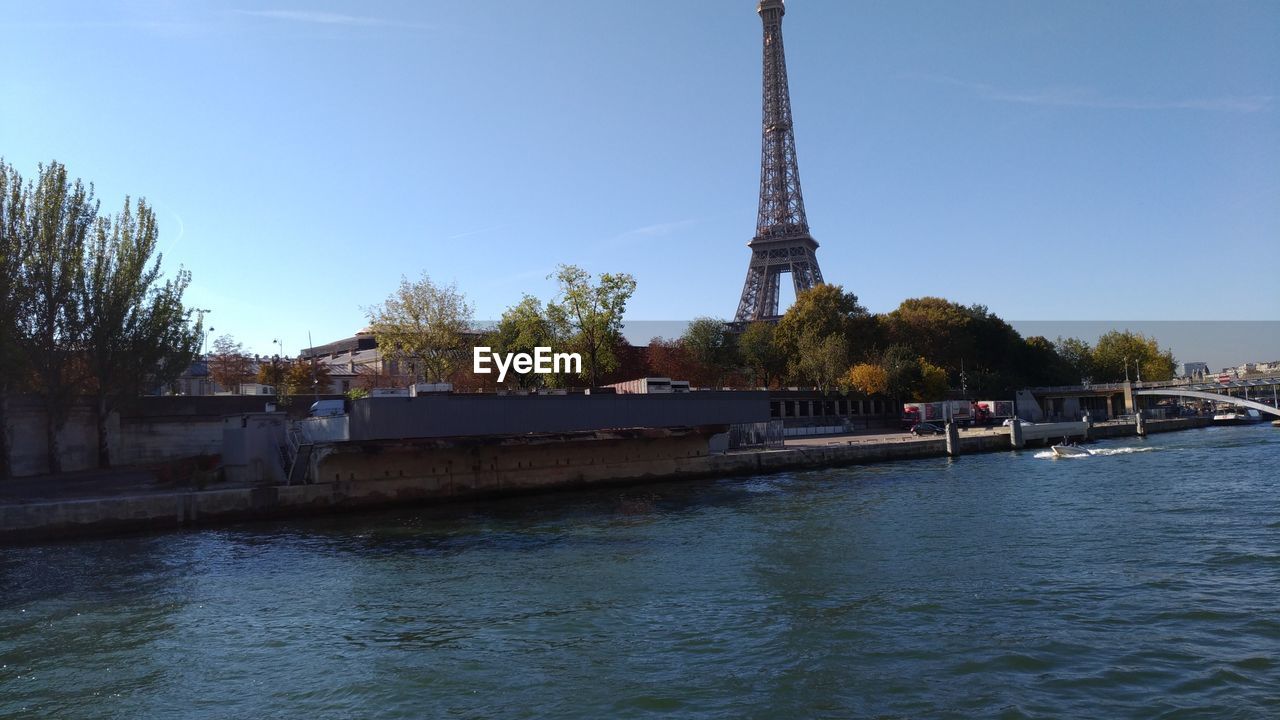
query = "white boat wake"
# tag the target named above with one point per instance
(1121, 451)
(1100, 452)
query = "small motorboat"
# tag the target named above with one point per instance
(1070, 451)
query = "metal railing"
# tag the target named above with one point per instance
(322, 429)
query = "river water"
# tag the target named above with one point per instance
(1141, 582)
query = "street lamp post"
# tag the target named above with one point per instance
(204, 390)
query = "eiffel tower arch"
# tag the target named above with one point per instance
(782, 243)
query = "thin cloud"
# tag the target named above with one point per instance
(652, 231)
(314, 17)
(1089, 98)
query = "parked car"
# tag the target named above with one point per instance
(926, 429)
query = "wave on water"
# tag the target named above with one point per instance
(1100, 452)
(1121, 450)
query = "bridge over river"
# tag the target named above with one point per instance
(1106, 400)
(1208, 394)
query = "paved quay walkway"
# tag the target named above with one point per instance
(885, 436)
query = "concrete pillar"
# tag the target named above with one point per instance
(1142, 423)
(953, 440)
(1088, 425)
(1015, 435)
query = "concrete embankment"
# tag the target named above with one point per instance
(1129, 429)
(353, 476)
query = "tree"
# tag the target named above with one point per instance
(868, 379)
(933, 384)
(60, 213)
(13, 207)
(425, 325)
(1128, 354)
(760, 352)
(710, 346)
(1041, 364)
(935, 329)
(1078, 356)
(229, 366)
(302, 377)
(822, 311)
(523, 327)
(137, 333)
(668, 358)
(592, 315)
(822, 360)
(272, 372)
(902, 370)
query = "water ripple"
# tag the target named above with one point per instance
(1142, 582)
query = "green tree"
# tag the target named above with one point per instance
(137, 333)
(822, 360)
(1041, 365)
(13, 207)
(592, 316)
(902, 371)
(761, 353)
(523, 327)
(56, 225)
(822, 311)
(424, 325)
(1078, 356)
(994, 346)
(711, 347)
(935, 329)
(1118, 354)
(933, 385)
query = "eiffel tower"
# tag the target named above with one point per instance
(782, 243)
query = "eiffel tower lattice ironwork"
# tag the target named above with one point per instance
(782, 243)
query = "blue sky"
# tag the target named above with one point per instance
(1055, 161)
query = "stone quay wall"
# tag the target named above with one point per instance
(361, 475)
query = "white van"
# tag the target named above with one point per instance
(328, 408)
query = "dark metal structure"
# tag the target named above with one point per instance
(782, 243)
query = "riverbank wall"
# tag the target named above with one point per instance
(1129, 429)
(354, 476)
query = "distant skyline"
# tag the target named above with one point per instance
(1052, 161)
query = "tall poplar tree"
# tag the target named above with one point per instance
(137, 333)
(13, 204)
(60, 215)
